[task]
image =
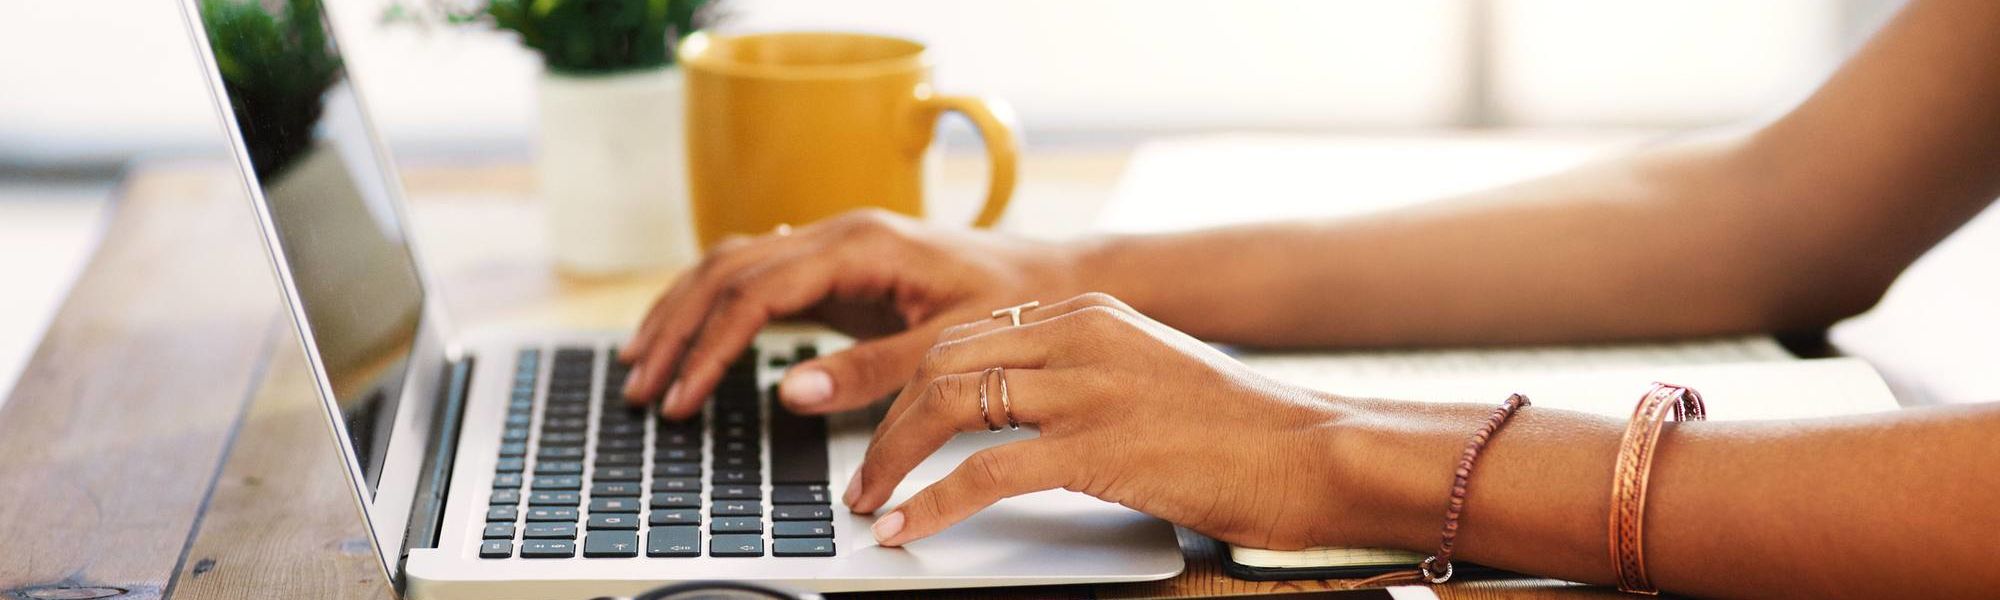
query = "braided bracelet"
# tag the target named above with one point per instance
(1437, 568)
(1634, 467)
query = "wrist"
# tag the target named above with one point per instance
(1105, 264)
(1393, 466)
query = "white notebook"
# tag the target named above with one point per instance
(1745, 378)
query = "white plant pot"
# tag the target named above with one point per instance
(613, 171)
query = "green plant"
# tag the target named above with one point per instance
(585, 36)
(277, 62)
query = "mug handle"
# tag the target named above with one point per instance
(995, 122)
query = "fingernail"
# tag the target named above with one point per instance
(887, 527)
(632, 379)
(806, 386)
(673, 397)
(853, 492)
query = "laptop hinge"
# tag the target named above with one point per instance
(427, 509)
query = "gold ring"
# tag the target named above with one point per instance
(1013, 313)
(983, 414)
(1006, 405)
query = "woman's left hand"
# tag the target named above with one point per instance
(1130, 411)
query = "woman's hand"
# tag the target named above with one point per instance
(1130, 411)
(874, 275)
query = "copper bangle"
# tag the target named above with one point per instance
(1437, 568)
(1634, 467)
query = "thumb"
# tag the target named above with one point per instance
(855, 377)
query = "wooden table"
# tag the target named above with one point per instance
(165, 440)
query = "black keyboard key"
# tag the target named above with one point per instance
(677, 455)
(621, 445)
(496, 549)
(499, 531)
(553, 499)
(737, 477)
(678, 439)
(737, 492)
(748, 447)
(677, 516)
(559, 467)
(677, 470)
(551, 513)
(736, 508)
(802, 547)
(514, 434)
(566, 411)
(736, 416)
(517, 420)
(506, 497)
(558, 482)
(738, 462)
(795, 512)
(614, 505)
(560, 453)
(620, 459)
(619, 429)
(548, 549)
(617, 474)
(677, 484)
(563, 439)
(799, 494)
(617, 521)
(507, 480)
(735, 525)
(514, 449)
(677, 500)
(502, 513)
(564, 424)
(802, 529)
(678, 541)
(798, 447)
(549, 531)
(614, 488)
(805, 352)
(736, 545)
(510, 465)
(611, 544)
(736, 432)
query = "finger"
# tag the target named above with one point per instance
(742, 307)
(679, 314)
(728, 250)
(1028, 346)
(949, 406)
(986, 477)
(855, 377)
(1001, 320)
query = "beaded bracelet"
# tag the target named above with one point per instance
(1634, 468)
(1437, 568)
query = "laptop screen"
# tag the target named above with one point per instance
(330, 204)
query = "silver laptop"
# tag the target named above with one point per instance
(505, 465)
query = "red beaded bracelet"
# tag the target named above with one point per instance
(1437, 568)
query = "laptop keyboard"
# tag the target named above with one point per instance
(578, 477)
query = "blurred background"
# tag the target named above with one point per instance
(87, 88)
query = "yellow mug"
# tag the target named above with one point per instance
(795, 127)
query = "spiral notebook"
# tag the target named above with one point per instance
(1741, 378)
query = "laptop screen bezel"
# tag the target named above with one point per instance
(386, 512)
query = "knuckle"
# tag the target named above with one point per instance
(954, 332)
(985, 470)
(936, 356)
(1089, 299)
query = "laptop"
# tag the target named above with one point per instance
(505, 464)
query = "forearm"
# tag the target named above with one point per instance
(1872, 506)
(1648, 246)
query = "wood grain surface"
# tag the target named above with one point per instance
(114, 433)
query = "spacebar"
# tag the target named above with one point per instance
(798, 447)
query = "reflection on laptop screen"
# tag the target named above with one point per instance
(329, 203)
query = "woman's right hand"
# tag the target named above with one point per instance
(891, 282)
